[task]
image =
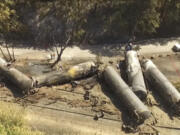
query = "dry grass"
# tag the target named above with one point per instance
(177, 85)
(12, 121)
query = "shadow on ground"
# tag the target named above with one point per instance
(109, 50)
(118, 49)
(162, 104)
(14, 89)
(159, 41)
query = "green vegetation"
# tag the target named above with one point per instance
(12, 121)
(94, 21)
(8, 17)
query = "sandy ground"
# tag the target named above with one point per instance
(148, 48)
(58, 109)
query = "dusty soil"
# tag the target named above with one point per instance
(88, 106)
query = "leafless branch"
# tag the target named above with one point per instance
(62, 48)
(3, 54)
(57, 52)
(68, 40)
(11, 57)
(14, 59)
(9, 52)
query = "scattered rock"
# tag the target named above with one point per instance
(129, 129)
(152, 57)
(100, 114)
(86, 95)
(74, 84)
(111, 62)
(95, 117)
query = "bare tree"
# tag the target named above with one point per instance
(62, 48)
(7, 48)
(54, 32)
(13, 56)
(10, 57)
(3, 54)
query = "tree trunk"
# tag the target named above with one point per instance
(76, 72)
(3, 54)
(125, 94)
(135, 75)
(160, 83)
